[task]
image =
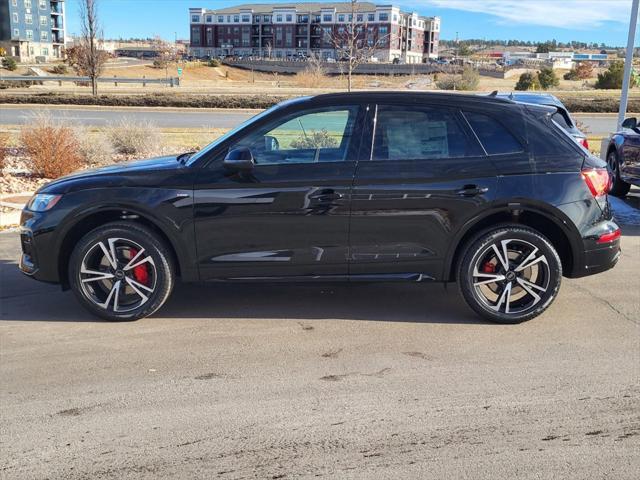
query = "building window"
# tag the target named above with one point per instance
(371, 17)
(289, 18)
(27, 3)
(341, 18)
(45, 51)
(360, 17)
(395, 18)
(28, 18)
(236, 18)
(42, 4)
(29, 34)
(327, 17)
(43, 20)
(278, 18)
(383, 30)
(195, 36)
(209, 18)
(44, 36)
(246, 18)
(14, 3)
(195, 18)
(220, 19)
(15, 17)
(267, 19)
(16, 32)
(384, 17)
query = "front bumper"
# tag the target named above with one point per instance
(38, 259)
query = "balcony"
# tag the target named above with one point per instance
(56, 7)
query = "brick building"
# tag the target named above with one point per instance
(32, 30)
(291, 30)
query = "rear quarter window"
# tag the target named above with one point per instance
(494, 137)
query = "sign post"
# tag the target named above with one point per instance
(628, 63)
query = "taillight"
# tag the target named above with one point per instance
(598, 180)
(610, 237)
(584, 143)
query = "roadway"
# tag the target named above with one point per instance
(333, 381)
(597, 124)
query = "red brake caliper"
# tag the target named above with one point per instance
(489, 267)
(140, 273)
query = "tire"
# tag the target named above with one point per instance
(520, 291)
(134, 284)
(619, 188)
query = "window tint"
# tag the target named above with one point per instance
(419, 133)
(561, 120)
(321, 135)
(495, 138)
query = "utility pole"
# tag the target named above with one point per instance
(628, 63)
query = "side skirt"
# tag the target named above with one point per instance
(382, 277)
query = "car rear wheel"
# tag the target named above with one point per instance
(619, 187)
(121, 272)
(509, 274)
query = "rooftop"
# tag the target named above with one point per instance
(300, 7)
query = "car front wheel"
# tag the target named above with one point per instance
(121, 272)
(619, 187)
(509, 274)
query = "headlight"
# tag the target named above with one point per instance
(41, 202)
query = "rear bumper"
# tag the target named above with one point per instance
(597, 257)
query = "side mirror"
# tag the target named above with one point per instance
(239, 159)
(631, 123)
(271, 144)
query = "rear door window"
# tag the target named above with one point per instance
(420, 133)
(494, 137)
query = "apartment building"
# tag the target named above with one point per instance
(305, 29)
(32, 30)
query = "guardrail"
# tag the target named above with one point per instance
(171, 81)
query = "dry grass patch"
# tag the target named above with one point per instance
(133, 138)
(4, 143)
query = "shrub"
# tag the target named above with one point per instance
(52, 149)
(96, 150)
(9, 63)
(547, 78)
(317, 139)
(4, 141)
(313, 76)
(571, 75)
(214, 62)
(527, 81)
(468, 80)
(612, 78)
(60, 69)
(133, 138)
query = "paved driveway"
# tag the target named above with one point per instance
(334, 381)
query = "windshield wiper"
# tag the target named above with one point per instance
(183, 157)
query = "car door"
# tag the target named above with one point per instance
(426, 176)
(289, 215)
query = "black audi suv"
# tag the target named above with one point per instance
(417, 187)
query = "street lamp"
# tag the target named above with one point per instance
(628, 63)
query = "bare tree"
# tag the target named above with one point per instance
(356, 44)
(166, 54)
(92, 57)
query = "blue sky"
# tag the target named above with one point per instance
(584, 20)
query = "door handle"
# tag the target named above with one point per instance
(471, 191)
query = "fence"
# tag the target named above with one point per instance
(172, 81)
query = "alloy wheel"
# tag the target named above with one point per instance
(118, 275)
(511, 276)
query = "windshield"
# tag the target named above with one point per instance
(244, 124)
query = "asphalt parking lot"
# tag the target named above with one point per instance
(335, 381)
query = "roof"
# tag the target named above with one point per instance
(300, 7)
(396, 96)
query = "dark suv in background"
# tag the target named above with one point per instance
(623, 157)
(361, 187)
